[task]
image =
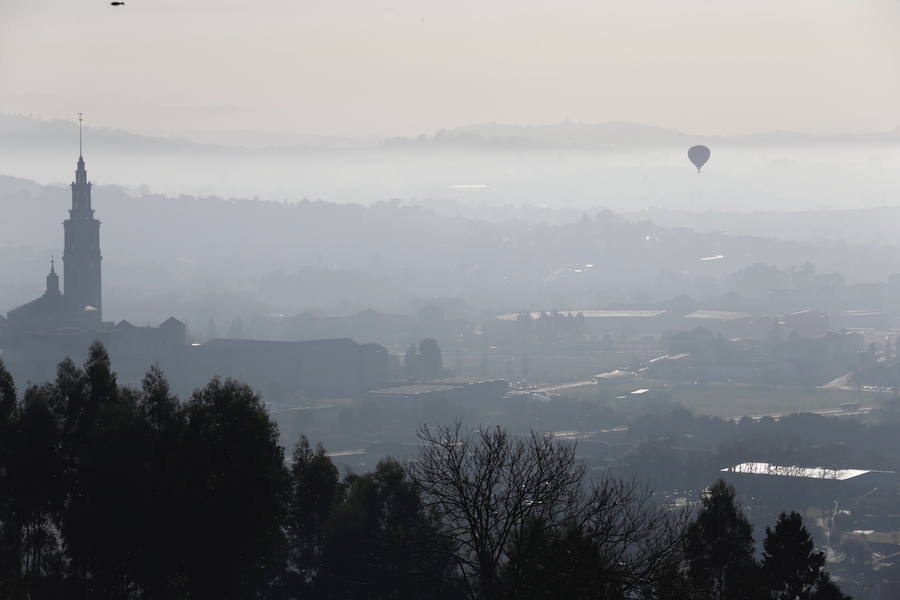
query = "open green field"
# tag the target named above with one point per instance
(542, 369)
(736, 400)
(733, 399)
(559, 373)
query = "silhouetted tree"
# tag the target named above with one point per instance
(506, 503)
(382, 543)
(161, 502)
(9, 534)
(826, 589)
(314, 490)
(37, 483)
(112, 492)
(7, 396)
(568, 565)
(790, 565)
(99, 523)
(67, 400)
(235, 496)
(719, 548)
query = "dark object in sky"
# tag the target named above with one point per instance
(698, 155)
(117, 3)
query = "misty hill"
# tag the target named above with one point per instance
(15, 185)
(191, 256)
(569, 166)
(276, 140)
(616, 135)
(27, 132)
(567, 135)
(861, 226)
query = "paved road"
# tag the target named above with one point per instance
(555, 388)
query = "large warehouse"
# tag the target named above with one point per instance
(807, 485)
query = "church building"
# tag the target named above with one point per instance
(63, 322)
(67, 318)
(80, 304)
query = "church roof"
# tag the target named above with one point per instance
(43, 303)
(171, 322)
(46, 312)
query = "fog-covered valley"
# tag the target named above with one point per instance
(480, 171)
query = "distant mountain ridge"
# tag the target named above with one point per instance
(18, 131)
(30, 133)
(16, 185)
(560, 135)
(615, 135)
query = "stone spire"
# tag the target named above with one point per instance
(52, 280)
(81, 259)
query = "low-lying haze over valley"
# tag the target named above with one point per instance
(476, 170)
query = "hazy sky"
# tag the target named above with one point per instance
(402, 67)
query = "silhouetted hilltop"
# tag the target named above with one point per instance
(614, 136)
(27, 132)
(566, 135)
(14, 185)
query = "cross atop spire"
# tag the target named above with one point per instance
(80, 118)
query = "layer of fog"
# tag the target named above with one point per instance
(473, 171)
(735, 179)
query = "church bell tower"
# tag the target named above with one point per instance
(81, 257)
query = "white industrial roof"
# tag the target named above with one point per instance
(761, 468)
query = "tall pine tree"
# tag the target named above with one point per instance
(719, 548)
(791, 567)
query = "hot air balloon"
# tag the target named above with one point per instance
(698, 155)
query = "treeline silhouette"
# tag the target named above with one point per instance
(112, 492)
